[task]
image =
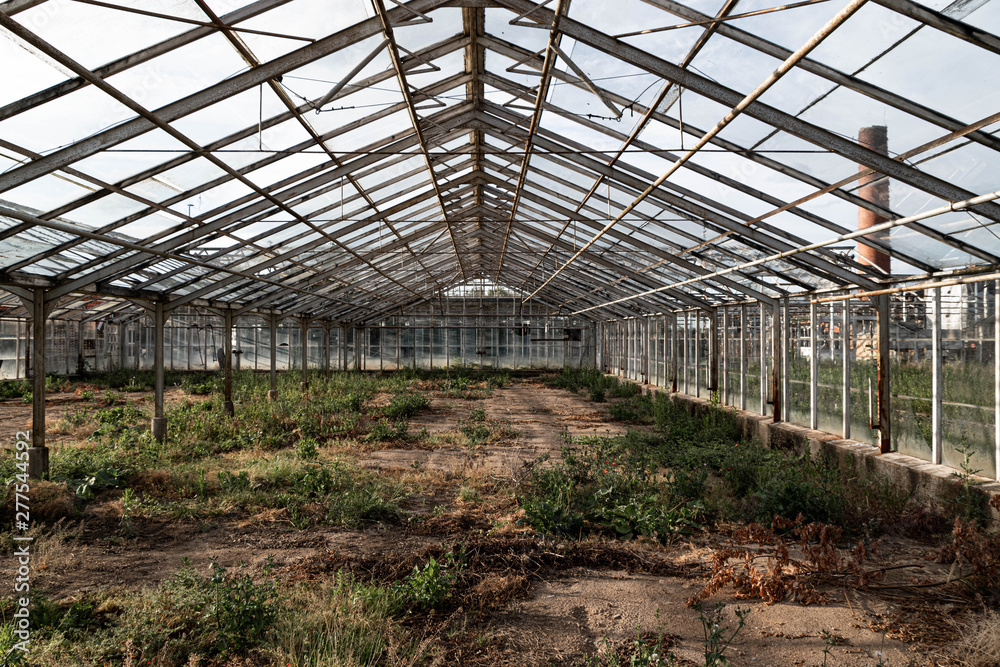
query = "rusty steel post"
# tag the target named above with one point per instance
(38, 452)
(884, 397)
(159, 423)
(227, 363)
(272, 327)
(304, 327)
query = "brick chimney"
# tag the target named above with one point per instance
(874, 188)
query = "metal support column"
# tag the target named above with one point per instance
(673, 353)
(660, 327)
(813, 368)
(38, 453)
(326, 349)
(159, 425)
(778, 360)
(762, 316)
(359, 350)
(121, 347)
(272, 325)
(685, 334)
(343, 348)
(786, 335)
(304, 326)
(936, 377)
(713, 354)
(996, 374)
(646, 324)
(227, 355)
(884, 396)
(137, 349)
(845, 349)
(697, 353)
(743, 356)
(17, 353)
(725, 356)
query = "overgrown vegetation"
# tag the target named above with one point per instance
(291, 462)
(686, 470)
(205, 616)
(599, 385)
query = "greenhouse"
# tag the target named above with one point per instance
(760, 209)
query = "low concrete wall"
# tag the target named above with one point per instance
(931, 484)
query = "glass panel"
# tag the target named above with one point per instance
(967, 416)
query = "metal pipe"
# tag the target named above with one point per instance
(912, 288)
(350, 75)
(941, 210)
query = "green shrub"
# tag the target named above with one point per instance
(636, 409)
(307, 449)
(381, 431)
(480, 430)
(404, 406)
(428, 587)
(608, 486)
(14, 388)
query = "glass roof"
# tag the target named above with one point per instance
(596, 159)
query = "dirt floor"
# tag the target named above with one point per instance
(549, 602)
(542, 417)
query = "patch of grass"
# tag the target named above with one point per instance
(404, 406)
(599, 385)
(636, 409)
(210, 617)
(479, 429)
(979, 645)
(382, 431)
(342, 622)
